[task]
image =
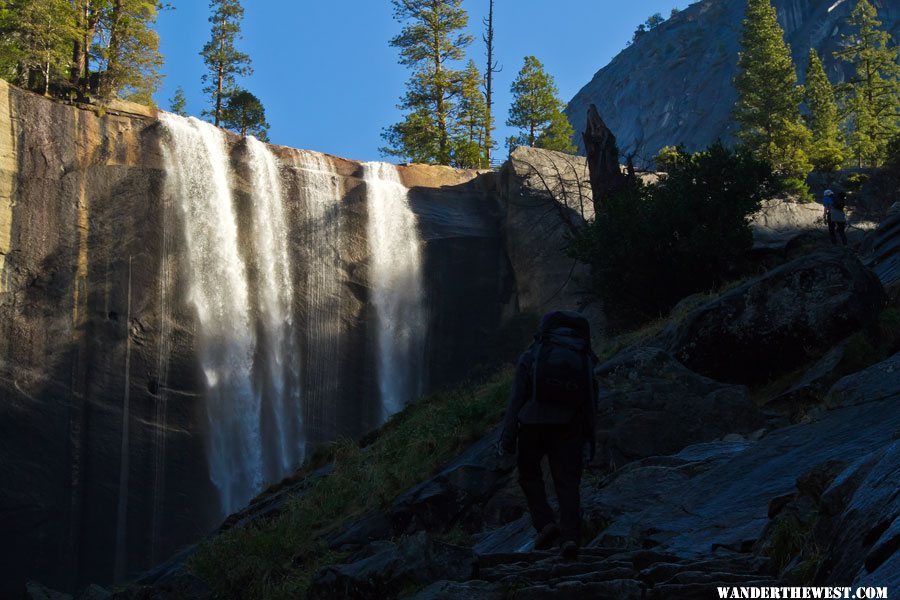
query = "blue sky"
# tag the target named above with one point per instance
(330, 82)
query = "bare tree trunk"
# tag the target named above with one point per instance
(489, 85)
(602, 158)
(87, 19)
(110, 83)
(443, 151)
(220, 82)
(77, 52)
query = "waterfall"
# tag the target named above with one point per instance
(398, 297)
(321, 191)
(272, 355)
(197, 166)
(278, 371)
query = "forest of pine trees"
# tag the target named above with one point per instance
(820, 125)
(86, 49)
(81, 48)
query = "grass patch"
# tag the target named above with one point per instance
(276, 559)
(788, 540)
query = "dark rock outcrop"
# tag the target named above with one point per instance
(778, 322)
(544, 196)
(673, 85)
(881, 252)
(602, 158)
(677, 526)
(384, 569)
(879, 381)
(810, 389)
(651, 405)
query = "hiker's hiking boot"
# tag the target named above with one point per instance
(569, 550)
(548, 535)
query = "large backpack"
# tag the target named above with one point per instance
(840, 202)
(563, 361)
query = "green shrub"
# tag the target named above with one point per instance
(277, 558)
(855, 181)
(652, 245)
(795, 188)
(667, 158)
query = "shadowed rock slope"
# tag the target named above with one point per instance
(694, 486)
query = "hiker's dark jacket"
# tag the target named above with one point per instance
(525, 408)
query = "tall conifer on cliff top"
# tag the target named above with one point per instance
(222, 58)
(537, 110)
(768, 107)
(431, 44)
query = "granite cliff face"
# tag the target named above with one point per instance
(674, 84)
(144, 382)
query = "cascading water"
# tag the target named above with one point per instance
(398, 296)
(321, 192)
(197, 166)
(277, 379)
(272, 354)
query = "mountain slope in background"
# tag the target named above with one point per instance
(674, 84)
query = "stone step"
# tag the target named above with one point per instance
(621, 589)
(686, 577)
(700, 591)
(662, 572)
(547, 571)
(490, 560)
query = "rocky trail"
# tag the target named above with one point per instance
(697, 484)
(804, 504)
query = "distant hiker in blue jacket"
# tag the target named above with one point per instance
(551, 413)
(837, 219)
(827, 200)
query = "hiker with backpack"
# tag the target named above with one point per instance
(827, 200)
(551, 413)
(837, 219)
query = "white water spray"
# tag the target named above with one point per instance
(278, 361)
(251, 347)
(398, 296)
(197, 165)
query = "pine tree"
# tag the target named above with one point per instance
(767, 110)
(178, 103)
(36, 39)
(654, 21)
(558, 134)
(471, 122)
(826, 150)
(88, 14)
(131, 53)
(101, 46)
(537, 111)
(244, 113)
(431, 43)
(223, 60)
(871, 99)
